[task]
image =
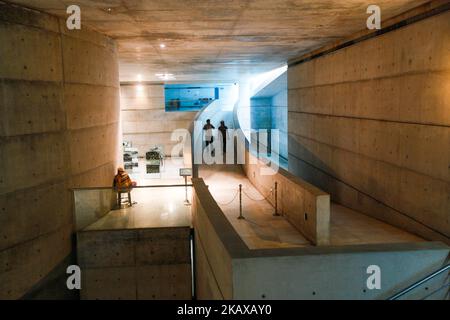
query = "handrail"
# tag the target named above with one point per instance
(420, 282)
(135, 187)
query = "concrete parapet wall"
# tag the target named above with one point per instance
(142, 264)
(304, 206)
(227, 269)
(213, 272)
(92, 204)
(59, 100)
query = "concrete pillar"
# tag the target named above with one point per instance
(59, 105)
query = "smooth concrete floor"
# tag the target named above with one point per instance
(159, 207)
(261, 229)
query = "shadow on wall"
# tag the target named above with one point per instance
(312, 169)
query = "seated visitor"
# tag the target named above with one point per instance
(123, 184)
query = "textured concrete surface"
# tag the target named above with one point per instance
(219, 39)
(59, 100)
(305, 206)
(90, 205)
(139, 252)
(261, 230)
(142, 264)
(144, 120)
(370, 124)
(228, 269)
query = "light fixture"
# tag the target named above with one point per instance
(165, 76)
(162, 45)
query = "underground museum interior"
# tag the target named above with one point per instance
(225, 150)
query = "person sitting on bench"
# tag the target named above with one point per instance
(123, 184)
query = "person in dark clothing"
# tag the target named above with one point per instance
(208, 127)
(223, 130)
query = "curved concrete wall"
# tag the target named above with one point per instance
(370, 124)
(59, 101)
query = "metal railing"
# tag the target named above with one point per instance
(420, 282)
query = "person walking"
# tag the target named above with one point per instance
(208, 128)
(224, 132)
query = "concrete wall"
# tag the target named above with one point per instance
(227, 269)
(59, 101)
(90, 204)
(142, 264)
(306, 207)
(342, 273)
(268, 110)
(279, 121)
(213, 265)
(370, 124)
(144, 120)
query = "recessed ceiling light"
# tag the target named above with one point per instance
(165, 76)
(162, 45)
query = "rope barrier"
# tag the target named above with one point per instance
(229, 202)
(263, 199)
(240, 191)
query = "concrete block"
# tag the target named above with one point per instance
(108, 284)
(163, 246)
(33, 160)
(164, 282)
(30, 18)
(102, 249)
(16, 63)
(101, 176)
(30, 107)
(27, 263)
(29, 213)
(91, 106)
(96, 64)
(91, 147)
(425, 149)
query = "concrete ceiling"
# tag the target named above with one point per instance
(218, 39)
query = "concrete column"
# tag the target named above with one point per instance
(59, 105)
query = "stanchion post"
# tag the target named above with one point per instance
(186, 201)
(240, 203)
(276, 199)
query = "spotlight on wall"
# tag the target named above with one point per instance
(139, 77)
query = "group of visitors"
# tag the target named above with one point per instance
(209, 137)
